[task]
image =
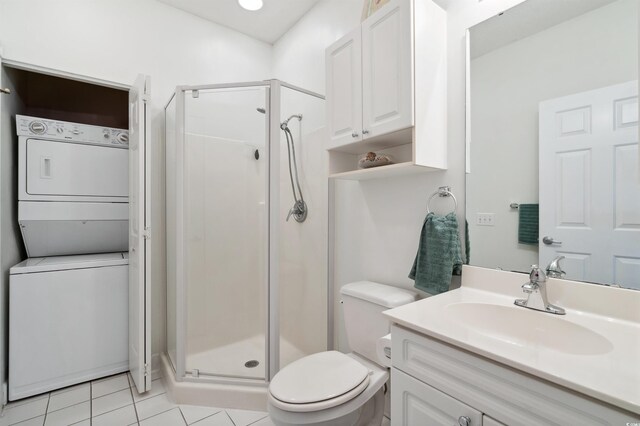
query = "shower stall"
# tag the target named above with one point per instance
(247, 226)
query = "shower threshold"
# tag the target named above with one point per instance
(244, 358)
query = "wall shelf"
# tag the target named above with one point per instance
(399, 169)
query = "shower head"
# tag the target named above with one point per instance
(285, 123)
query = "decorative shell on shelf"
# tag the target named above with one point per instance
(371, 159)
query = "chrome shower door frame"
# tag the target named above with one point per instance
(271, 271)
(182, 374)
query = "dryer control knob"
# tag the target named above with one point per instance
(123, 138)
(37, 127)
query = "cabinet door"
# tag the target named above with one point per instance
(415, 403)
(344, 89)
(387, 45)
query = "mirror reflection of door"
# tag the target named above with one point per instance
(589, 189)
(553, 140)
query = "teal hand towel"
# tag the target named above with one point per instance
(528, 223)
(438, 255)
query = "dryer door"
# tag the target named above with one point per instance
(68, 170)
(139, 234)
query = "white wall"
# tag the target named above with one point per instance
(378, 222)
(595, 50)
(117, 39)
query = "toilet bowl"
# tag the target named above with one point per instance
(332, 388)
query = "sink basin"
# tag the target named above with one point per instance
(527, 328)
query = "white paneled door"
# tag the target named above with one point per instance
(139, 234)
(387, 45)
(589, 187)
(344, 88)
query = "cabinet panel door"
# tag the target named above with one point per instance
(387, 45)
(415, 403)
(344, 89)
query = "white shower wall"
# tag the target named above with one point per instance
(303, 246)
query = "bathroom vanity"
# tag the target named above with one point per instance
(471, 357)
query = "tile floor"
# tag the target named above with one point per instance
(113, 402)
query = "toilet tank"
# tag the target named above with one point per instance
(363, 304)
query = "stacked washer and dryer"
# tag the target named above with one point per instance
(68, 302)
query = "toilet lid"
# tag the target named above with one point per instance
(318, 377)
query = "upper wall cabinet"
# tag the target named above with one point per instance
(386, 91)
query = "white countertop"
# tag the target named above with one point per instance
(604, 365)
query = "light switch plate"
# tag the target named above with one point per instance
(484, 219)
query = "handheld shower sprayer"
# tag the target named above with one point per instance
(299, 210)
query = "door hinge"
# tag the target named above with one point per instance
(146, 234)
(147, 371)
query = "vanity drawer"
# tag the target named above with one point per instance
(506, 395)
(415, 403)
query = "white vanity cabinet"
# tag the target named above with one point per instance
(386, 89)
(436, 383)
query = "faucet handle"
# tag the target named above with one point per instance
(536, 275)
(554, 270)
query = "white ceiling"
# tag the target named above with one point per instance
(526, 19)
(267, 24)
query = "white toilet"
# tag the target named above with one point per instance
(331, 388)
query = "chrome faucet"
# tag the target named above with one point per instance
(554, 270)
(537, 293)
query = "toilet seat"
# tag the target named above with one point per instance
(318, 381)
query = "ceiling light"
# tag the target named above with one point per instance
(251, 5)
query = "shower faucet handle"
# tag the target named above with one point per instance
(298, 211)
(291, 210)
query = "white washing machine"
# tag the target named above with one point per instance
(68, 306)
(73, 187)
(68, 321)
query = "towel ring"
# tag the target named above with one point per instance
(443, 191)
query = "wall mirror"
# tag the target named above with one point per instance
(552, 143)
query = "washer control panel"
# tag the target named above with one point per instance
(63, 130)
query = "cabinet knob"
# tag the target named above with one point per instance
(365, 132)
(354, 135)
(464, 421)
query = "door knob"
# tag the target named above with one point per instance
(464, 421)
(5, 91)
(365, 132)
(549, 240)
(354, 135)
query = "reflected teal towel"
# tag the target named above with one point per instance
(528, 224)
(438, 255)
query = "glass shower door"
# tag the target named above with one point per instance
(226, 231)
